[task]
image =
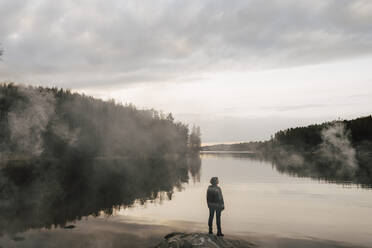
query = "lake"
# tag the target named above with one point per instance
(259, 201)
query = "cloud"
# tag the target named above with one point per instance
(296, 107)
(79, 43)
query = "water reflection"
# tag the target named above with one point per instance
(50, 193)
(260, 200)
(315, 167)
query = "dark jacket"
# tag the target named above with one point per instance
(214, 198)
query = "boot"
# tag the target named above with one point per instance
(219, 233)
(210, 230)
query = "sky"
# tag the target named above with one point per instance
(240, 69)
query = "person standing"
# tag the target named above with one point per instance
(215, 204)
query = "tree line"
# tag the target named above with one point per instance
(54, 122)
(65, 155)
(337, 151)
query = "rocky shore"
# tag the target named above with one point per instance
(201, 240)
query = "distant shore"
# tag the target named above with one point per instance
(228, 152)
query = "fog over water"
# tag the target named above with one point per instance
(104, 106)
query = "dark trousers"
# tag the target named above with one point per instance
(218, 219)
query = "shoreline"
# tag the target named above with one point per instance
(114, 233)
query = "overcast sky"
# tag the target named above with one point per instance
(241, 69)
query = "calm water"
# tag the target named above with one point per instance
(260, 200)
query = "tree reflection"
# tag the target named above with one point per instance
(315, 166)
(49, 193)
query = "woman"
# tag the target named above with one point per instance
(215, 204)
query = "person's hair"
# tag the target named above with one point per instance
(214, 180)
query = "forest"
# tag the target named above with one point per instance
(65, 155)
(52, 122)
(339, 151)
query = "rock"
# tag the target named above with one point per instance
(69, 227)
(200, 240)
(17, 238)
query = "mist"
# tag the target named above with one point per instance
(107, 109)
(337, 151)
(336, 146)
(332, 156)
(67, 153)
(28, 120)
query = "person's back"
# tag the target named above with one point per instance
(214, 197)
(215, 204)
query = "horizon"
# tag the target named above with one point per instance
(239, 70)
(116, 117)
(203, 143)
(238, 142)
